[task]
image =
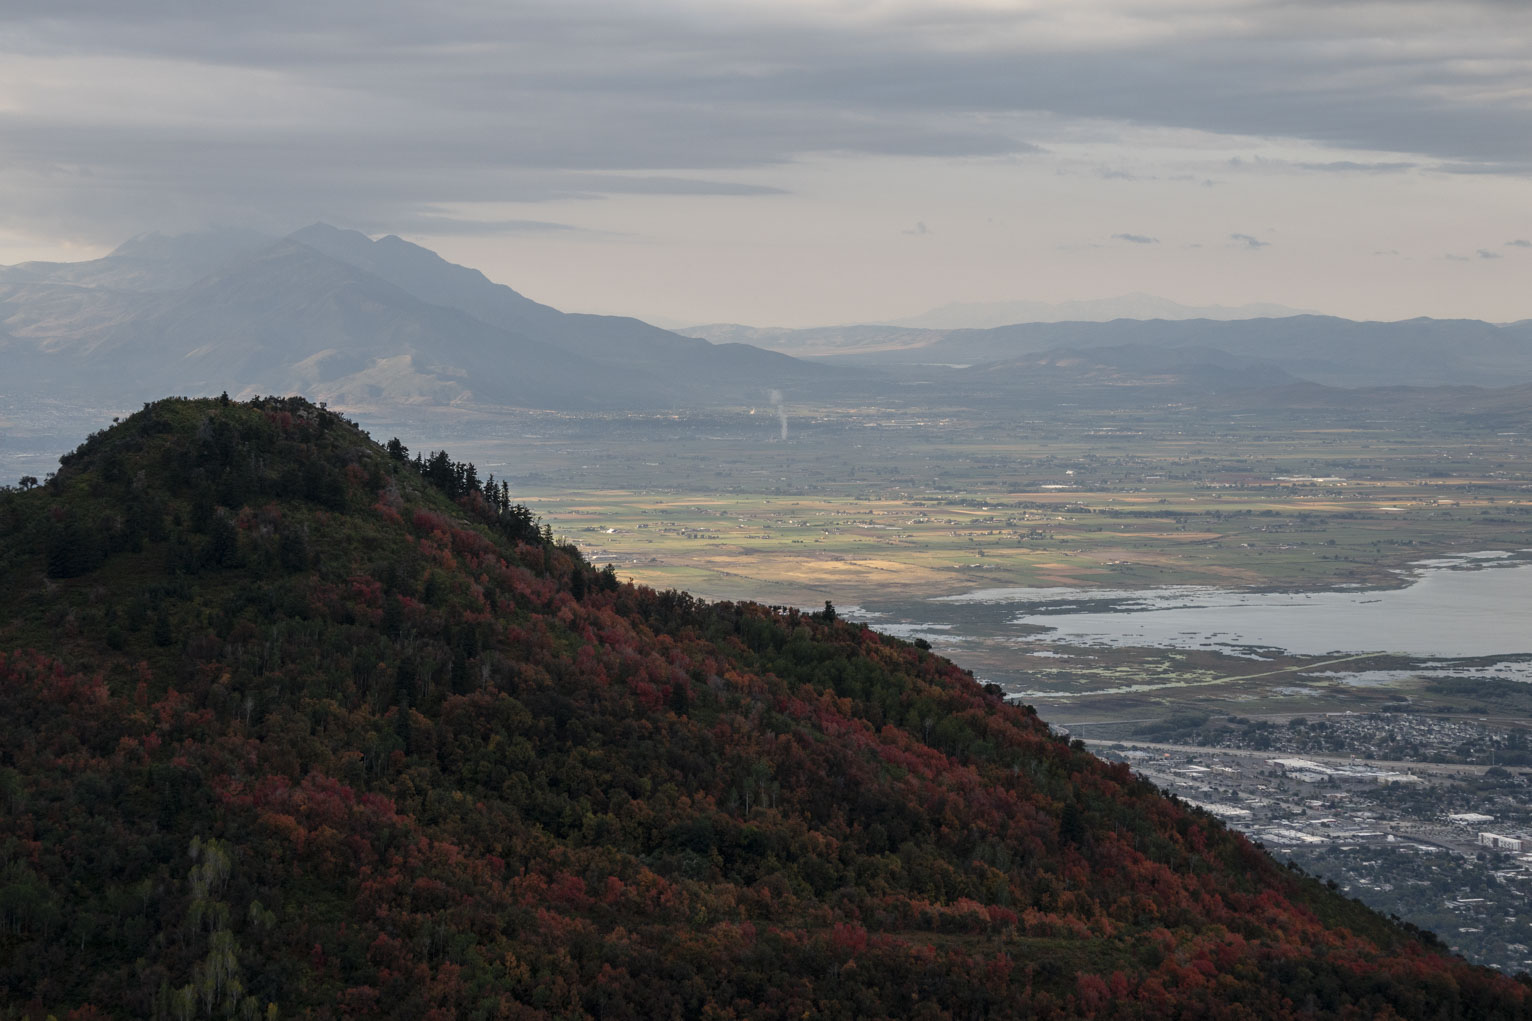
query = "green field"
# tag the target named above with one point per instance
(864, 504)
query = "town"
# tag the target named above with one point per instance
(1441, 839)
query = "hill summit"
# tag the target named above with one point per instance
(298, 725)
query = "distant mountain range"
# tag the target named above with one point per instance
(1133, 365)
(1322, 349)
(337, 316)
(984, 315)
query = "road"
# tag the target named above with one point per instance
(1444, 768)
(1288, 714)
(1138, 689)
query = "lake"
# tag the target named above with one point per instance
(1452, 608)
(1479, 605)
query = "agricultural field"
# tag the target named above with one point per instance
(863, 504)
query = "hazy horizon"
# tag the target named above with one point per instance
(214, 244)
(217, 243)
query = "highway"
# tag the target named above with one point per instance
(1442, 768)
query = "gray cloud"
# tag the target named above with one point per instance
(1519, 243)
(615, 185)
(449, 226)
(1353, 167)
(374, 112)
(1246, 241)
(1137, 239)
(920, 229)
(1510, 168)
(1485, 253)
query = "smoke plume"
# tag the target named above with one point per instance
(776, 402)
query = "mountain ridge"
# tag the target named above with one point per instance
(241, 312)
(147, 263)
(986, 315)
(323, 729)
(400, 325)
(1322, 349)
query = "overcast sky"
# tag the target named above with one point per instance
(801, 162)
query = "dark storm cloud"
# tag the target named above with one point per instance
(370, 113)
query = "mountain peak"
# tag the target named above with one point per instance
(150, 263)
(334, 314)
(415, 269)
(213, 244)
(320, 234)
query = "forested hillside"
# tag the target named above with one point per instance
(296, 725)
